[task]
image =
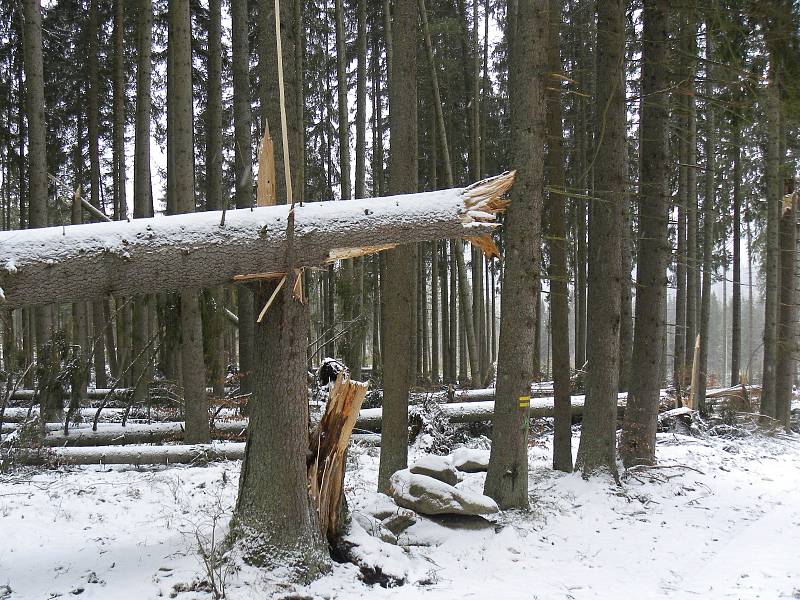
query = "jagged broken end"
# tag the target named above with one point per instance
(483, 200)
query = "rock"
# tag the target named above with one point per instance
(430, 496)
(374, 527)
(470, 460)
(400, 520)
(380, 507)
(437, 467)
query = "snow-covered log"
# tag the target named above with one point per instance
(151, 433)
(141, 454)
(83, 262)
(475, 412)
(128, 455)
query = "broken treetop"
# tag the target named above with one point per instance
(82, 262)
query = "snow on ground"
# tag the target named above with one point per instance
(719, 518)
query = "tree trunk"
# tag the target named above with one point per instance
(274, 517)
(692, 249)
(772, 162)
(597, 449)
(399, 291)
(638, 441)
(214, 322)
(37, 175)
(736, 323)
(709, 218)
(243, 171)
(557, 243)
(120, 199)
(192, 364)
(787, 313)
(507, 477)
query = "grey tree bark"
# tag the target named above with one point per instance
(243, 171)
(49, 402)
(787, 313)
(597, 449)
(399, 291)
(709, 217)
(638, 441)
(558, 273)
(214, 318)
(507, 477)
(191, 326)
(773, 185)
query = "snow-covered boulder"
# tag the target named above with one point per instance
(374, 527)
(470, 460)
(430, 496)
(394, 518)
(438, 467)
(400, 520)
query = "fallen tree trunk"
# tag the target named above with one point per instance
(83, 262)
(140, 454)
(369, 419)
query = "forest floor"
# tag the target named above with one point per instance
(719, 518)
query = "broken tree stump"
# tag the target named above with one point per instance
(327, 451)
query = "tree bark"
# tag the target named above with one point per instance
(192, 364)
(693, 258)
(243, 171)
(213, 323)
(709, 218)
(736, 322)
(597, 449)
(773, 185)
(557, 243)
(507, 477)
(638, 441)
(167, 253)
(399, 293)
(37, 176)
(787, 313)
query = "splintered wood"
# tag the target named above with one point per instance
(328, 447)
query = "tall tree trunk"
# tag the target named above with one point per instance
(787, 312)
(597, 449)
(772, 168)
(93, 109)
(243, 172)
(359, 307)
(50, 403)
(679, 343)
(693, 258)
(507, 477)
(626, 300)
(400, 289)
(142, 200)
(559, 294)
(215, 320)
(736, 324)
(709, 217)
(192, 364)
(273, 506)
(638, 441)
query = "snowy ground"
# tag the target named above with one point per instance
(727, 527)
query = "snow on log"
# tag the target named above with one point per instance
(204, 249)
(140, 454)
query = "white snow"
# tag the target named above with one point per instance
(718, 519)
